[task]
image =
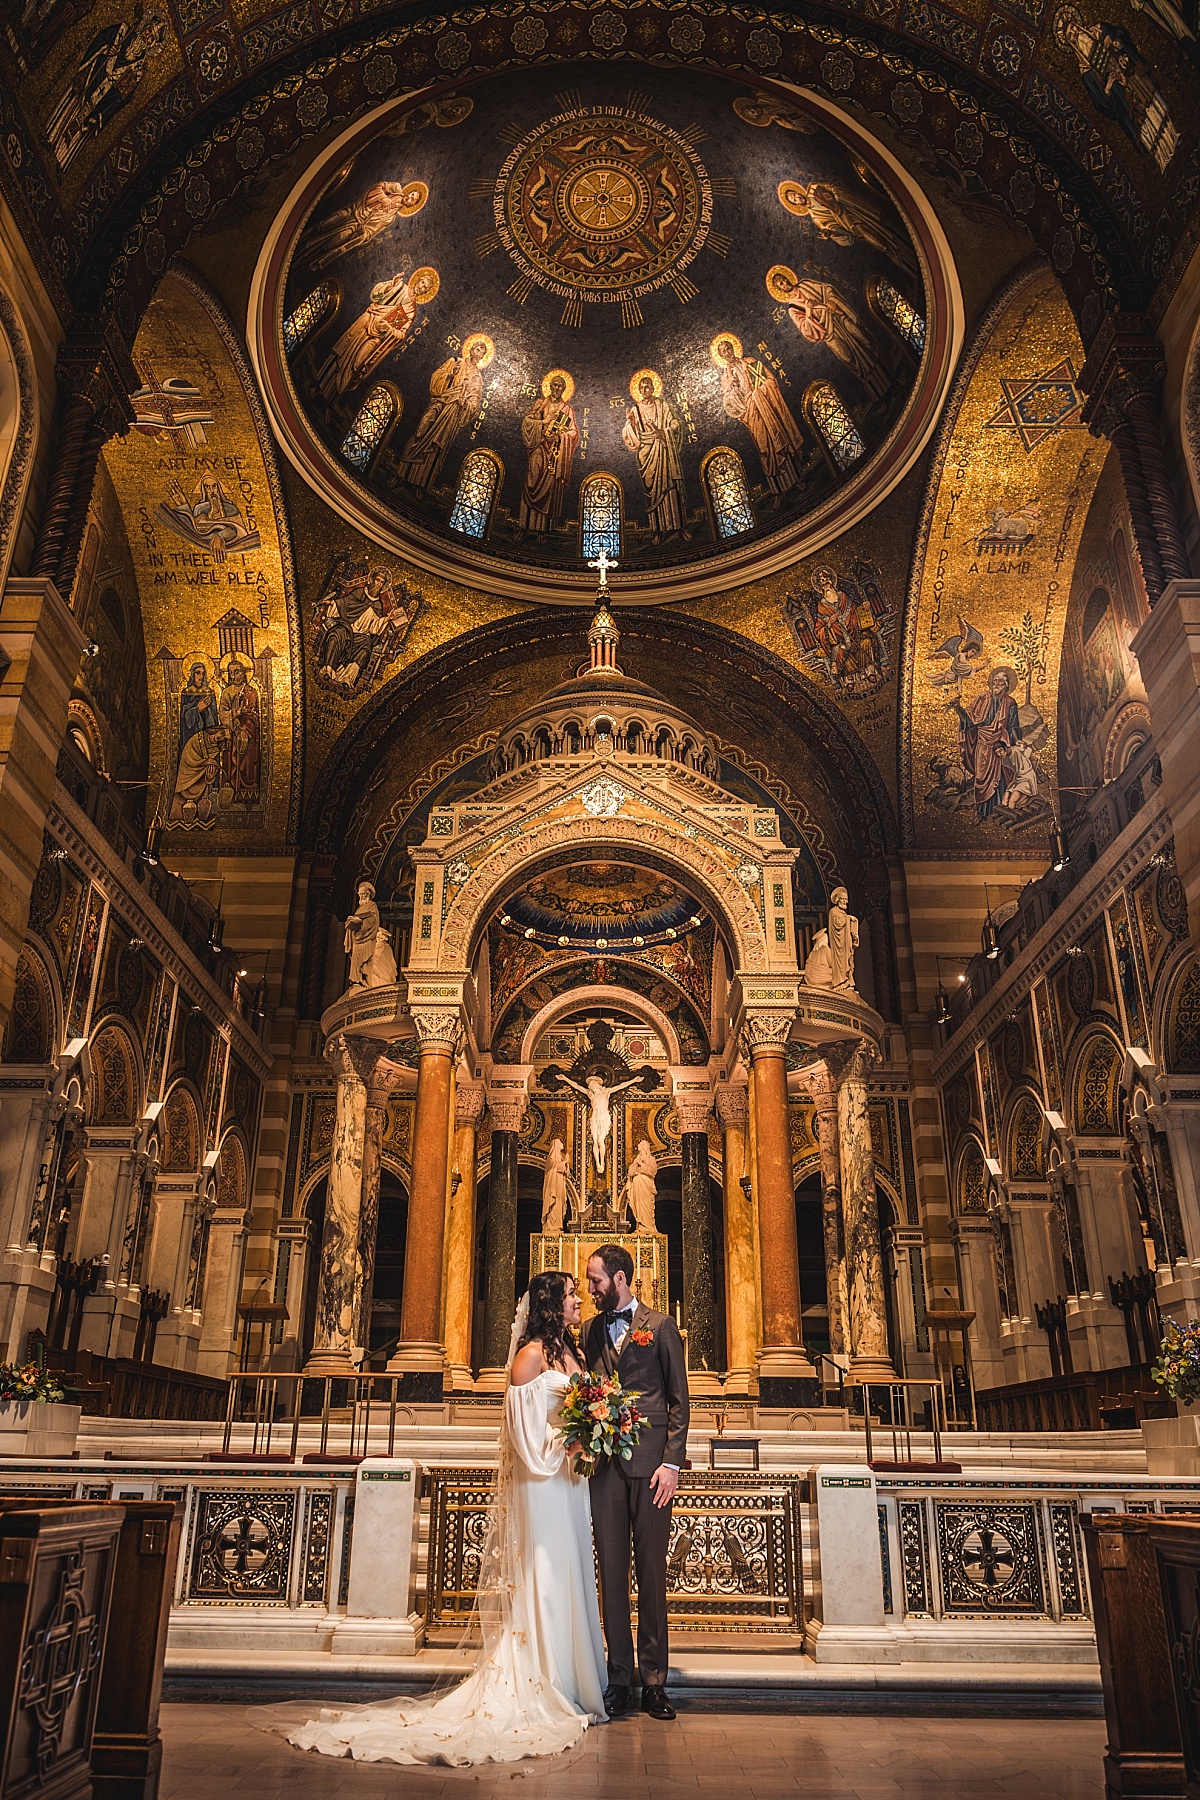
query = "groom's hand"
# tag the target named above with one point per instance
(663, 1483)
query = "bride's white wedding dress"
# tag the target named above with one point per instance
(538, 1682)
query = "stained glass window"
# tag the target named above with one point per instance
(728, 493)
(828, 417)
(308, 315)
(372, 421)
(897, 312)
(600, 516)
(478, 480)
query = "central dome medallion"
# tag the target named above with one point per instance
(700, 325)
(606, 208)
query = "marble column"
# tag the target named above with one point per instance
(698, 1297)
(499, 1297)
(420, 1355)
(870, 1359)
(470, 1101)
(786, 1377)
(741, 1321)
(824, 1093)
(353, 1168)
(381, 1081)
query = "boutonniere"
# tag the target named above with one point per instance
(642, 1336)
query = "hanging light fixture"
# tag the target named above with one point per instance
(943, 1005)
(1060, 856)
(216, 932)
(151, 847)
(991, 938)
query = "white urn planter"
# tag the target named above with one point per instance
(1173, 1445)
(38, 1428)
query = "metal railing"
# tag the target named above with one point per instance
(900, 1423)
(350, 1409)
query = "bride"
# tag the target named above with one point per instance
(538, 1681)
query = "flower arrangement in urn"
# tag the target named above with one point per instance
(600, 1419)
(1178, 1365)
(29, 1381)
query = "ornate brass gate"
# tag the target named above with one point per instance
(734, 1562)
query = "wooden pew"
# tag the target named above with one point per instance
(126, 1751)
(1177, 1551)
(1143, 1756)
(57, 1566)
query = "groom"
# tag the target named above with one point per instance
(634, 1497)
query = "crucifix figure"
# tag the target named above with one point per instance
(599, 1099)
(604, 562)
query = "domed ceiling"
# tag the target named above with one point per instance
(514, 325)
(601, 905)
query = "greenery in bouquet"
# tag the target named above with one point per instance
(28, 1381)
(599, 1419)
(1178, 1365)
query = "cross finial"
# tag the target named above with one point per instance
(604, 562)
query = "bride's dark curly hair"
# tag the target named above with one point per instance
(547, 1292)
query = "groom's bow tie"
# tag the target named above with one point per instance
(621, 1318)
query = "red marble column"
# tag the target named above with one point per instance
(420, 1354)
(786, 1377)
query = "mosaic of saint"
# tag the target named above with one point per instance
(593, 319)
(209, 566)
(1012, 495)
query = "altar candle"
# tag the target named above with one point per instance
(678, 1316)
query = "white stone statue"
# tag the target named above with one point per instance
(843, 939)
(641, 1187)
(556, 1189)
(599, 1099)
(381, 970)
(818, 969)
(361, 934)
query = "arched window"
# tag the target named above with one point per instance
(315, 307)
(728, 493)
(832, 426)
(891, 306)
(372, 422)
(600, 516)
(478, 485)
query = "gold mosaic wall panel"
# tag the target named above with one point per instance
(195, 489)
(1012, 494)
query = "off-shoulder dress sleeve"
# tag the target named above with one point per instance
(535, 1442)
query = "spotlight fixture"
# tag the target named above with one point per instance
(991, 938)
(1060, 856)
(216, 933)
(152, 846)
(242, 974)
(260, 999)
(943, 1005)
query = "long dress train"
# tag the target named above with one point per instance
(538, 1682)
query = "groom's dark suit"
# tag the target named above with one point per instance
(622, 1503)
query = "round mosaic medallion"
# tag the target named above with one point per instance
(603, 203)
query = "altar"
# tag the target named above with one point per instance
(570, 1250)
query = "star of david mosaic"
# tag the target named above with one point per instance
(1037, 406)
(603, 204)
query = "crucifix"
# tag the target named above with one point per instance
(604, 562)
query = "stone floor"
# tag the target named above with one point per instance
(214, 1750)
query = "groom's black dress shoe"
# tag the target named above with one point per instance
(655, 1702)
(616, 1701)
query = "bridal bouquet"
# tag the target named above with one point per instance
(599, 1416)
